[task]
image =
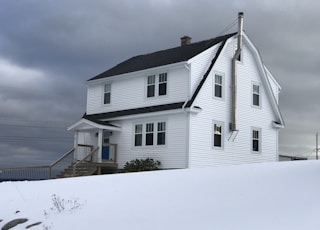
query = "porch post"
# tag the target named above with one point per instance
(76, 137)
(100, 139)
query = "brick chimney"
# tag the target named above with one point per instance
(185, 40)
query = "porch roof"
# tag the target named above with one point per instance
(85, 124)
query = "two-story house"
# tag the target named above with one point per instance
(200, 104)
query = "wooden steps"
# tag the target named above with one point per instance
(87, 169)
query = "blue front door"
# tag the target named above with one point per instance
(105, 152)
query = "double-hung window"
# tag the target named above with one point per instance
(256, 133)
(218, 135)
(107, 94)
(161, 137)
(162, 84)
(256, 95)
(149, 134)
(138, 135)
(157, 85)
(218, 86)
(151, 81)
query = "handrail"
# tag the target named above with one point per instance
(62, 157)
(59, 160)
(81, 161)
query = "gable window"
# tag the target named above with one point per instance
(107, 94)
(256, 95)
(162, 84)
(149, 134)
(218, 86)
(218, 135)
(256, 140)
(151, 86)
(138, 135)
(161, 137)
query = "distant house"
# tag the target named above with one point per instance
(206, 103)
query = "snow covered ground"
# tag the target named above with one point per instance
(271, 196)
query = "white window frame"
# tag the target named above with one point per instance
(105, 92)
(253, 94)
(155, 131)
(222, 86)
(161, 128)
(137, 132)
(149, 84)
(149, 131)
(254, 138)
(158, 80)
(216, 124)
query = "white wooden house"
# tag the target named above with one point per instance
(200, 104)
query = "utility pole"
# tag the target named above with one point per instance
(317, 149)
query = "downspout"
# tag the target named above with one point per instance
(188, 119)
(233, 125)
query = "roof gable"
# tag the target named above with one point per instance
(160, 58)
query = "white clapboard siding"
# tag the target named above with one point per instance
(237, 151)
(199, 66)
(130, 91)
(172, 155)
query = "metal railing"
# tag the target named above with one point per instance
(51, 171)
(38, 172)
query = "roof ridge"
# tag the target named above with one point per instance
(161, 57)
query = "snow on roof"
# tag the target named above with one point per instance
(258, 196)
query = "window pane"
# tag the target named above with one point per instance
(255, 99)
(151, 79)
(161, 138)
(138, 128)
(107, 98)
(149, 139)
(218, 91)
(163, 77)
(149, 127)
(138, 140)
(217, 135)
(162, 89)
(161, 126)
(107, 88)
(255, 145)
(150, 92)
(256, 89)
(218, 79)
(217, 140)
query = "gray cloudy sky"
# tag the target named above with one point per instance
(48, 49)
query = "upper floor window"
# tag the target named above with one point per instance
(256, 140)
(218, 86)
(107, 94)
(162, 84)
(157, 85)
(256, 95)
(151, 86)
(218, 135)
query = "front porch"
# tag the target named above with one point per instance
(93, 142)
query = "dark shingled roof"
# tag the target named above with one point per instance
(149, 109)
(160, 58)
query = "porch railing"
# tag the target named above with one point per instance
(87, 158)
(38, 172)
(51, 171)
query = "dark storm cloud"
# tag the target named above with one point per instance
(48, 49)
